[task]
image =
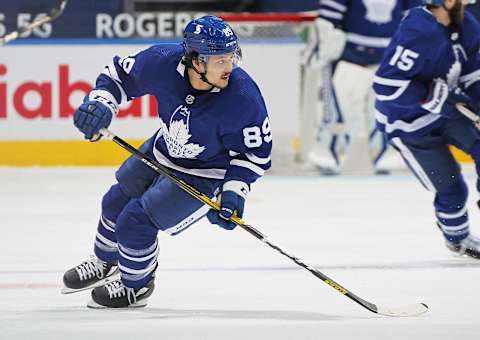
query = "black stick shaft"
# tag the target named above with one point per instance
(153, 164)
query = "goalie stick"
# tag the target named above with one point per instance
(407, 310)
(54, 13)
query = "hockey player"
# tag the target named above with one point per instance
(431, 65)
(356, 33)
(214, 134)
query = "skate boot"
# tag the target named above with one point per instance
(469, 246)
(89, 274)
(115, 295)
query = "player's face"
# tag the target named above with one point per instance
(219, 68)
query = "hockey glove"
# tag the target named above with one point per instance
(443, 100)
(92, 116)
(232, 201)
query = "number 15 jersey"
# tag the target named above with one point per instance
(422, 52)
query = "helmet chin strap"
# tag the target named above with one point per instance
(203, 76)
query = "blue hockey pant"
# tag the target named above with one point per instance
(136, 208)
(432, 162)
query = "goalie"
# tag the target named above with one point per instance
(356, 33)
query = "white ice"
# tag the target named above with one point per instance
(374, 235)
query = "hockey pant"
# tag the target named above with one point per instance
(334, 129)
(136, 208)
(432, 162)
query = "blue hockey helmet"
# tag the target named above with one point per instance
(440, 2)
(209, 35)
(433, 2)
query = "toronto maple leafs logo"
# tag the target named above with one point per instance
(177, 135)
(379, 11)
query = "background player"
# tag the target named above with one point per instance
(431, 65)
(214, 134)
(355, 32)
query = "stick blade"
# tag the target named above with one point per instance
(403, 311)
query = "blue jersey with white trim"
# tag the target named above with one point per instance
(422, 52)
(221, 133)
(368, 24)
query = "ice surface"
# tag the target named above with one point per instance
(375, 235)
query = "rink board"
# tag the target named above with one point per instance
(41, 85)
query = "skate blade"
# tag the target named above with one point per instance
(113, 277)
(93, 305)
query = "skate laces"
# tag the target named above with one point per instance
(116, 289)
(91, 268)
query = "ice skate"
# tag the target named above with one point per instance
(115, 295)
(469, 246)
(89, 274)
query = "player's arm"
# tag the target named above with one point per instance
(250, 146)
(327, 39)
(470, 78)
(407, 99)
(122, 80)
(333, 11)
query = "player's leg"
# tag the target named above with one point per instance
(330, 133)
(466, 137)
(431, 161)
(164, 206)
(133, 180)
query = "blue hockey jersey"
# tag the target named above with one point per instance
(423, 51)
(221, 133)
(368, 24)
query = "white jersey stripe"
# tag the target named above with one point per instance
(365, 40)
(471, 78)
(246, 164)
(258, 160)
(401, 125)
(334, 5)
(401, 86)
(330, 14)
(189, 220)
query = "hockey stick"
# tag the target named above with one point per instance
(469, 114)
(408, 310)
(54, 13)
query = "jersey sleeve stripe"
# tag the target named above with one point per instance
(365, 40)
(334, 5)
(401, 86)
(246, 164)
(403, 126)
(258, 160)
(330, 14)
(111, 72)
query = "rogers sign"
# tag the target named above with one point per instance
(65, 87)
